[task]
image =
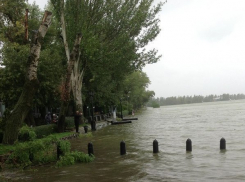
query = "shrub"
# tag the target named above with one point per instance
(69, 123)
(20, 156)
(71, 158)
(43, 151)
(26, 134)
(65, 161)
(35, 152)
(65, 146)
(155, 105)
(82, 157)
(125, 112)
(45, 130)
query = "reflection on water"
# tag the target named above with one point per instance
(205, 124)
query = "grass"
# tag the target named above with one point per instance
(61, 135)
(4, 149)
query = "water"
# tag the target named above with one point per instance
(205, 124)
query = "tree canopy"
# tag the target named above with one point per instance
(115, 34)
(108, 61)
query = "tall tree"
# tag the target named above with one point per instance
(72, 59)
(114, 36)
(135, 86)
(66, 85)
(24, 103)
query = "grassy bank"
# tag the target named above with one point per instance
(36, 146)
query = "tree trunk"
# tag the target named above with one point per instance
(66, 86)
(30, 119)
(76, 81)
(24, 104)
(72, 60)
(63, 30)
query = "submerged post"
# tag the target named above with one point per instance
(188, 145)
(122, 148)
(155, 146)
(222, 144)
(90, 149)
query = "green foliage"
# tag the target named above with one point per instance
(51, 138)
(64, 146)
(82, 157)
(26, 134)
(71, 158)
(4, 149)
(45, 130)
(125, 112)
(65, 161)
(110, 29)
(34, 152)
(13, 76)
(20, 156)
(61, 135)
(44, 151)
(15, 51)
(155, 105)
(11, 19)
(89, 134)
(135, 93)
(69, 123)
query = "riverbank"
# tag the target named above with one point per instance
(12, 174)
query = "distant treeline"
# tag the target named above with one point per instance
(154, 102)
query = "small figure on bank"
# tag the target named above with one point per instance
(48, 118)
(77, 119)
(55, 118)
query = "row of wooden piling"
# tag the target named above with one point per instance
(155, 147)
(189, 144)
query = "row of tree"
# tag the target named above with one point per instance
(193, 99)
(90, 46)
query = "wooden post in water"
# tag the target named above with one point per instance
(222, 144)
(155, 146)
(188, 145)
(122, 148)
(90, 149)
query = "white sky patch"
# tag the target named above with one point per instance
(202, 45)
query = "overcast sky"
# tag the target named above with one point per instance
(202, 44)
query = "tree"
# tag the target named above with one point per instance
(24, 103)
(66, 85)
(109, 28)
(50, 68)
(135, 85)
(11, 28)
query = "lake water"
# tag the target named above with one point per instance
(205, 124)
